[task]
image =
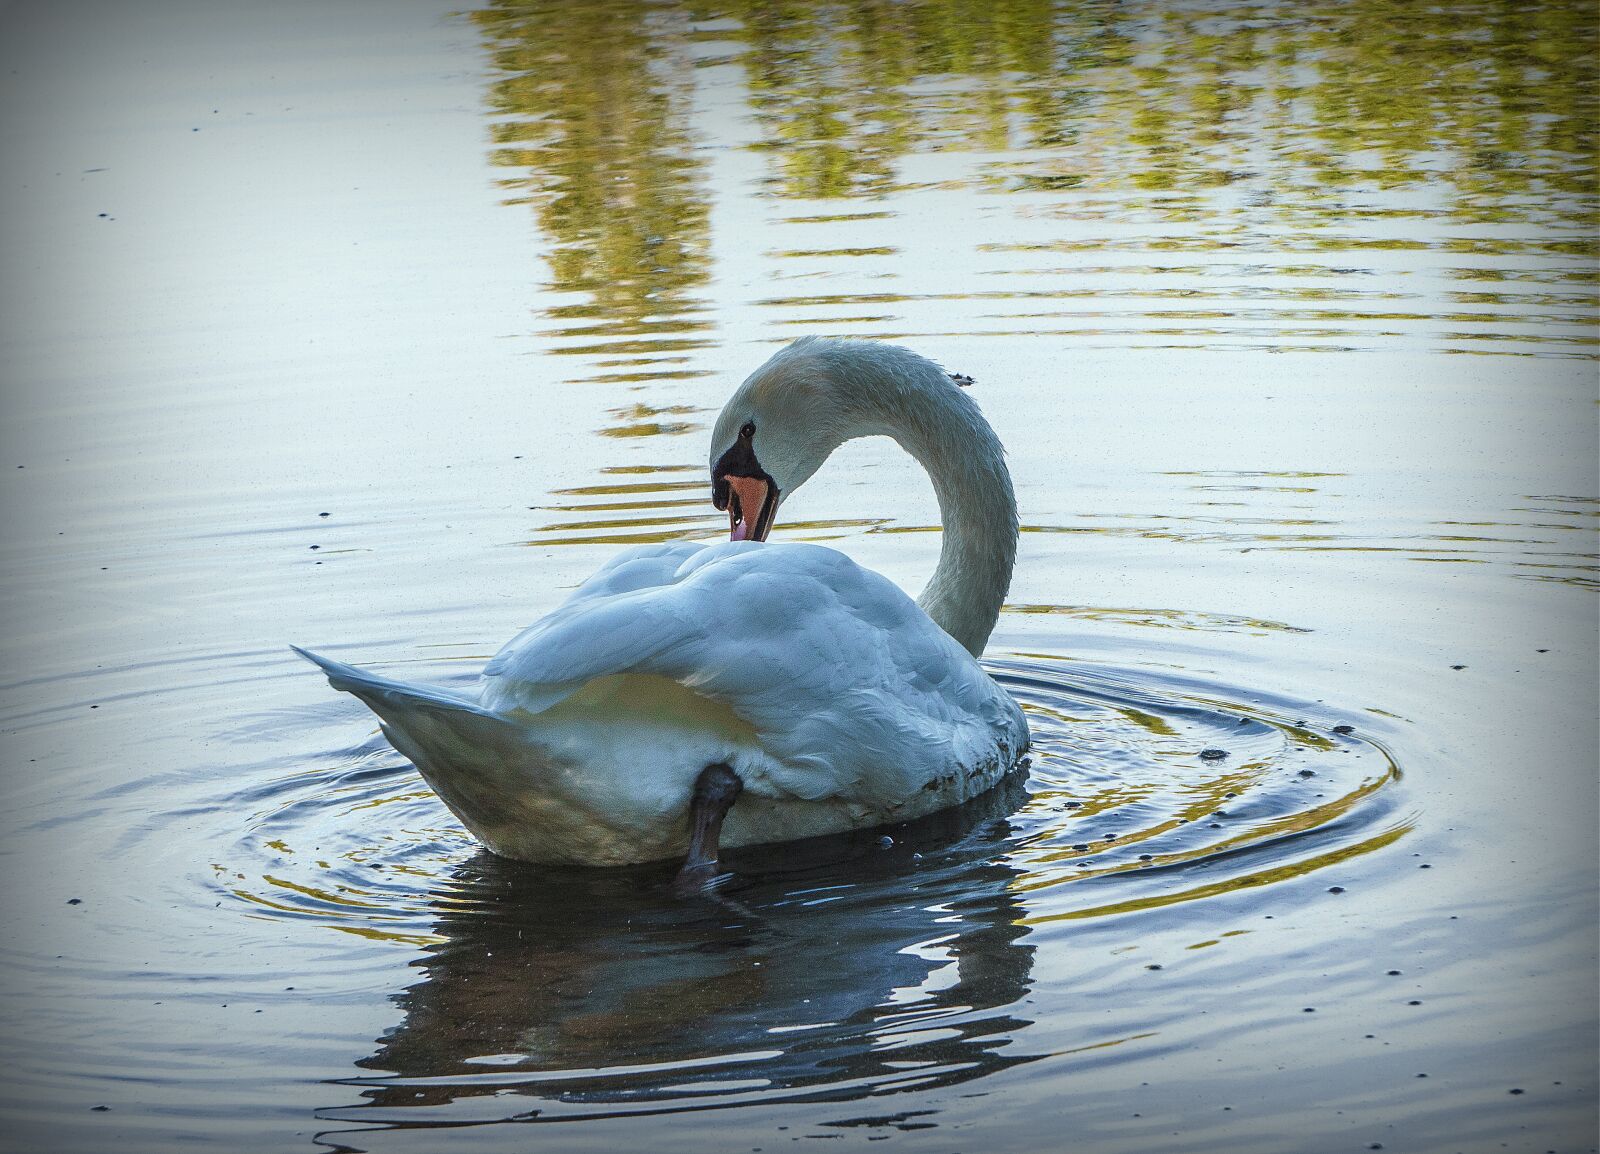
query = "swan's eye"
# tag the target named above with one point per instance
(748, 431)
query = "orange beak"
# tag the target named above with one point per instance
(746, 508)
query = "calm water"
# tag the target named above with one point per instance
(377, 328)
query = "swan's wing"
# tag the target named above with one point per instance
(643, 567)
(733, 620)
(612, 623)
(849, 685)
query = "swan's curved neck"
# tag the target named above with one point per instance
(916, 403)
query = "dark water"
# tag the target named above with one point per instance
(378, 329)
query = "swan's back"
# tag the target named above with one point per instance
(849, 692)
(821, 684)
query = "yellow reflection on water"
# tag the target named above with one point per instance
(1161, 618)
(644, 420)
(654, 508)
(1285, 872)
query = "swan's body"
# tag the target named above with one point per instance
(837, 702)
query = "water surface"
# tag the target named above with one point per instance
(379, 332)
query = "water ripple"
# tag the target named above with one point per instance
(550, 994)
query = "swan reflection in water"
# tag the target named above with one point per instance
(834, 969)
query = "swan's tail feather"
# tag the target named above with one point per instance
(375, 690)
(434, 718)
(473, 758)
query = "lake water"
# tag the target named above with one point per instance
(376, 328)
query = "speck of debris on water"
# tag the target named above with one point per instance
(100, 1108)
(1308, 773)
(74, 901)
(1458, 667)
(1514, 1091)
(1344, 730)
(324, 514)
(1336, 889)
(1213, 754)
(1309, 1010)
(1394, 973)
(1153, 966)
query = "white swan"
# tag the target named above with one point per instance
(779, 685)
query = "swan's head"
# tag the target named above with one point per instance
(774, 432)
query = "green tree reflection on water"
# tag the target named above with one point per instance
(592, 119)
(1321, 116)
